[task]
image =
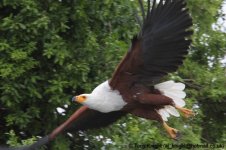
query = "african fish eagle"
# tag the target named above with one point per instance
(135, 87)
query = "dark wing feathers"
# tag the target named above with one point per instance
(142, 8)
(90, 119)
(163, 43)
(94, 119)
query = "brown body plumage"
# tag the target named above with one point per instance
(157, 50)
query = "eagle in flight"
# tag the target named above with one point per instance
(158, 49)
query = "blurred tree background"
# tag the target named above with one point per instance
(51, 50)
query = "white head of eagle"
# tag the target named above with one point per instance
(102, 99)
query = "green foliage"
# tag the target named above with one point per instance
(14, 140)
(52, 50)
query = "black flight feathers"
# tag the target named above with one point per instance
(165, 38)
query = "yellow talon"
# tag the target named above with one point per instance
(186, 112)
(174, 133)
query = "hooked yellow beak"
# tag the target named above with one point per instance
(80, 98)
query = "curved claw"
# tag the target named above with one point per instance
(186, 112)
(174, 133)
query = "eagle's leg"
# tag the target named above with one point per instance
(186, 112)
(160, 100)
(152, 114)
(174, 133)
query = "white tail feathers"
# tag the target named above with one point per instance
(174, 91)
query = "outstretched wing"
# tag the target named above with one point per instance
(83, 119)
(160, 46)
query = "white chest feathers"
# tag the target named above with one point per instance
(104, 99)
